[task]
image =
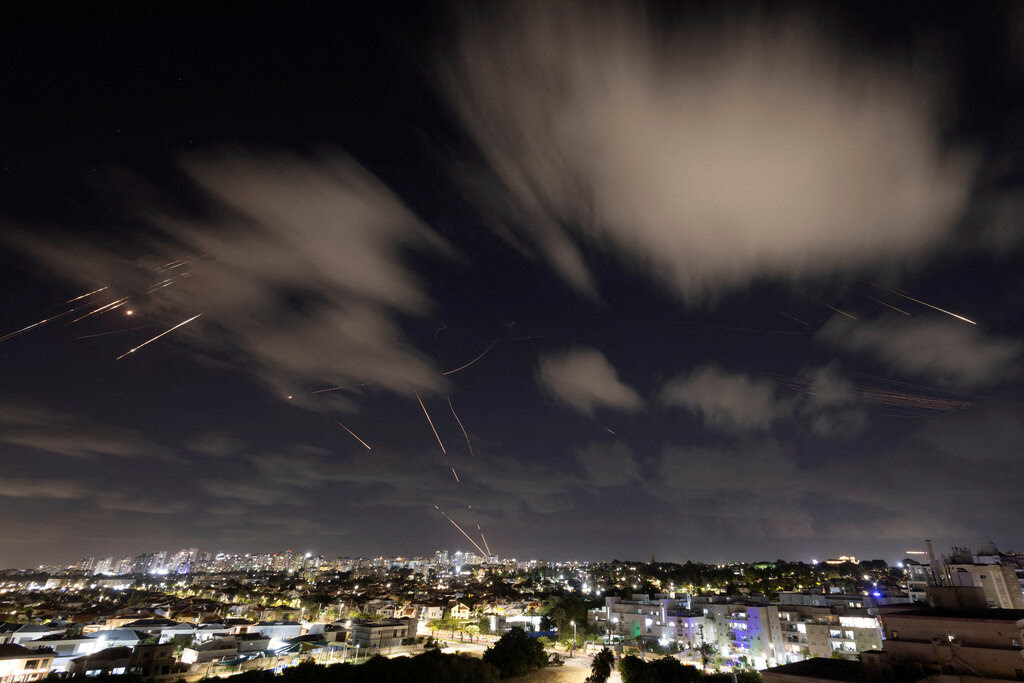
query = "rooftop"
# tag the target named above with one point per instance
(822, 668)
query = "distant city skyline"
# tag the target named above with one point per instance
(284, 559)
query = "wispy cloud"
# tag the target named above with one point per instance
(950, 353)
(42, 488)
(63, 434)
(710, 154)
(584, 379)
(727, 401)
(296, 265)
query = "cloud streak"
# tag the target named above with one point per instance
(949, 353)
(710, 155)
(296, 265)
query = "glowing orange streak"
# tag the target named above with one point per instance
(354, 435)
(468, 537)
(879, 301)
(485, 544)
(431, 423)
(460, 425)
(349, 386)
(95, 291)
(131, 351)
(130, 329)
(112, 305)
(41, 322)
(457, 480)
(459, 369)
(941, 310)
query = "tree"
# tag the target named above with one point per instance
(516, 654)
(601, 667)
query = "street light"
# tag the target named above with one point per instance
(573, 652)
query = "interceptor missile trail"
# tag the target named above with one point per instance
(131, 351)
(461, 368)
(940, 310)
(95, 291)
(879, 301)
(41, 322)
(468, 537)
(353, 434)
(485, 544)
(457, 481)
(111, 306)
(851, 317)
(431, 423)
(130, 329)
(348, 386)
(460, 425)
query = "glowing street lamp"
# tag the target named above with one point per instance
(572, 653)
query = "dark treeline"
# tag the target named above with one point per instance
(430, 667)
(671, 670)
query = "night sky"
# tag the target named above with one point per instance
(678, 270)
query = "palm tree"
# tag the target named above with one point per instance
(601, 668)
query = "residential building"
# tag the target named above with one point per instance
(388, 633)
(1002, 589)
(20, 665)
(983, 644)
(749, 634)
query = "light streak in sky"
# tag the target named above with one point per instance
(793, 317)
(349, 386)
(95, 291)
(851, 317)
(940, 310)
(609, 430)
(482, 538)
(131, 351)
(130, 329)
(41, 322)
(879, 301)
(468, 537)
(160, 285)
(108, 307)
(460, 425)
(457, 480)
(463, 367)
(431, 423)
(353, 434)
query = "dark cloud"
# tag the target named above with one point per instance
(606, 465)
(584, 379)
(42, 488)
(949, 352)
(63, 434)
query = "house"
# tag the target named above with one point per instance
(19, 664)
(430, 611)
(249, 643)
(34, 632)
(210, 651)
(459, 610)
(279, 630)
(111, 660)
(381, 634)
(154, 660)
